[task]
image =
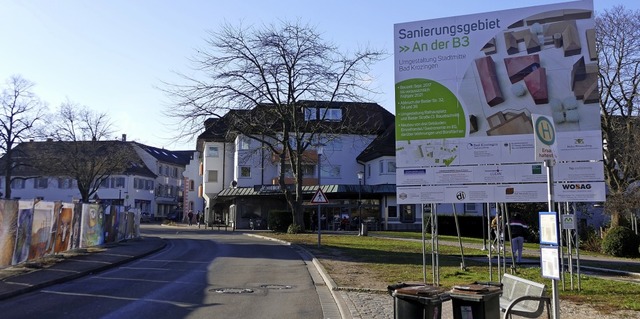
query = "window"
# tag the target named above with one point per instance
(104, 183)
(212, 176)
(307, 170)
(212, 151)
(117, 182)
(17, 184)
(65, 183)
(407, 213)
(368, 170)
(310, 113)
(160, 190)
(245, 171)
(148, 184)
(41, 182)
(160, 169)
(331, 114)
(381, 167)
(391, 167)
(245, 143)
(191, 184)
(138, 183)
(393, 212)
(470, 207)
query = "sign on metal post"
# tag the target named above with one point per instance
(545, 138)
(319, 197)
(569, 221)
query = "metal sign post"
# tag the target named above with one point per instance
(319, 198)
(546, 150)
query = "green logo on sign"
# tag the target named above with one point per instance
(545, 131)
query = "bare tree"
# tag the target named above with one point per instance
(78, 149)
(260, 77)
(618, 44)
(21, 112)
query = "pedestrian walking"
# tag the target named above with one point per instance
(498, 234)
(190, 216)
(518, 231)
(199, 218)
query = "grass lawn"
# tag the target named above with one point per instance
(394, 261)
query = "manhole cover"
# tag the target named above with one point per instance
(233, 290)
(276, 287)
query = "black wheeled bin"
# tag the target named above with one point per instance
(417, 301)
(477, 301)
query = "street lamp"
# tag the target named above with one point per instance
(320, 150)
(360, 225)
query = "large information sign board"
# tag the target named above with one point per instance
(466, 89)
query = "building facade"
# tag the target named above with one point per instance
(355, 168)
(155, 180)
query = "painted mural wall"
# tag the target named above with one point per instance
(33, 229)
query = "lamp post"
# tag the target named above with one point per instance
(320, 150)
(360, 225)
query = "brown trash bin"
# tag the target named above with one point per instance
(477, 300)
(417, 301)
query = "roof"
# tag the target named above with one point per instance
(27, 153)
(383, 145)
(357, 118)
(175, 157)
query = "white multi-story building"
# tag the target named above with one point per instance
(155, 182)
(356, 165)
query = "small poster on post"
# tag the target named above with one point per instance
(548, 228)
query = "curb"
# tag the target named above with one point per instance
(331, 285)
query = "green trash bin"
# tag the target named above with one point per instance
(417, 301)
(476, 301)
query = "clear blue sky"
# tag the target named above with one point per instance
(110, 55)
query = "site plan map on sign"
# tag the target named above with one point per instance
(467, 86)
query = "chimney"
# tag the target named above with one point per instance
(124, 137)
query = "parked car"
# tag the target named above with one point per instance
(174, 216)
(145, 217)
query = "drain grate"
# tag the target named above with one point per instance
(233, 290)
(276, 287)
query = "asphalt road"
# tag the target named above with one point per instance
(198, 275)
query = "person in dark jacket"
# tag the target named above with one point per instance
(518, 231)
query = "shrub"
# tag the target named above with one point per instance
(279, 220)
(294, 229)
(621, 242)
(591, 242)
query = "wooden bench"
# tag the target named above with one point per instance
(523, 297)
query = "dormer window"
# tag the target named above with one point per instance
(332, 114)
(310, 113)
(325, 114)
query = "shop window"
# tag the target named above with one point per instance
(407, 213)
(393, 212)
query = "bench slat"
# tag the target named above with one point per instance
(522, 297)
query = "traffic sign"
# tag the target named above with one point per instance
(319, 197)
